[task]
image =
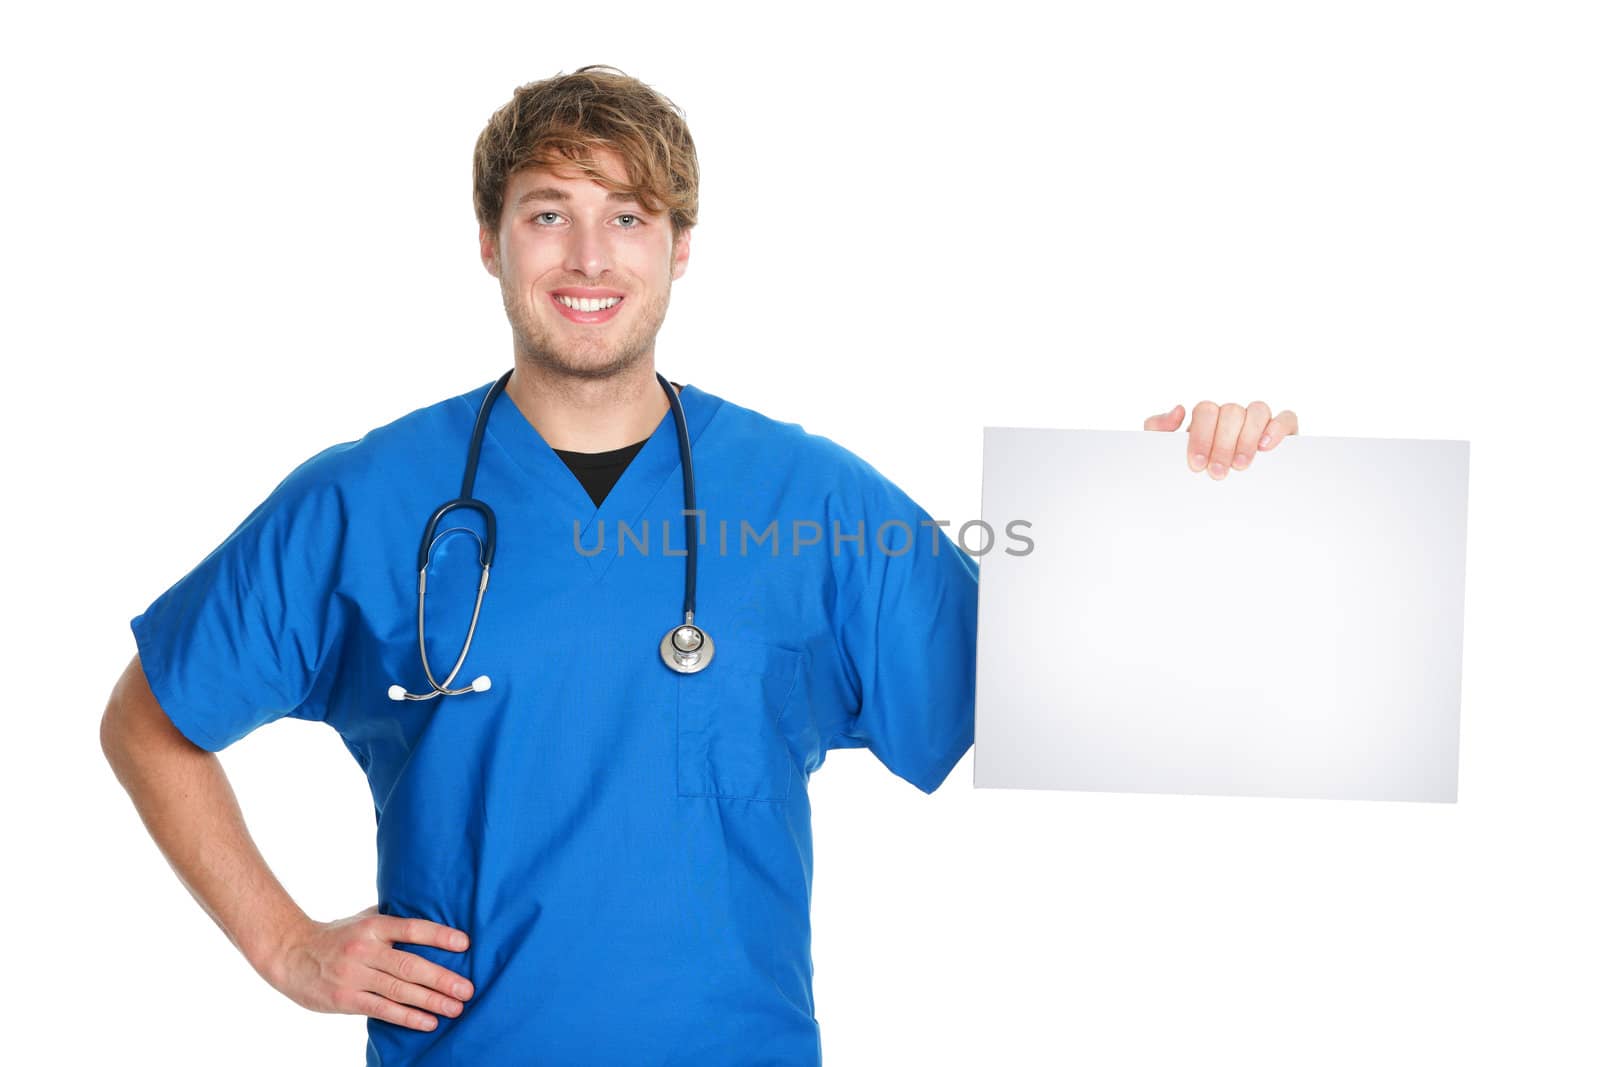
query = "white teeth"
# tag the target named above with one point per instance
(587, 304)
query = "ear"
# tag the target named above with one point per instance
(489, 250)
(680, 254)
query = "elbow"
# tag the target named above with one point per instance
(117, 734)
(134, 723)
(108, 730)
(114, 724)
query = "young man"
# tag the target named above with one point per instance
(602, 855)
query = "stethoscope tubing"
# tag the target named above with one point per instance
(686, 648)
(690, 517)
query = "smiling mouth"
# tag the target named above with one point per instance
(589, 303)
(587, 309)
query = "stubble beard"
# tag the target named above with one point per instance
(592, 357)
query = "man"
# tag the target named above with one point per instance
(592, 858)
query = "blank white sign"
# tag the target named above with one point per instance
(1292, 630)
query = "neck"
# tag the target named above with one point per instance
(589, 414)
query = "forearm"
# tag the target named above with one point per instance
(188, 805)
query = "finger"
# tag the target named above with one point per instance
(397, 989)
(1202, 428)
(1282, 425)
(1171, 420)
(413, 968)
(1256, 417)
(412, 931)
(1230, 417)
(366, 1002)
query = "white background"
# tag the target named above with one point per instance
(236, 235)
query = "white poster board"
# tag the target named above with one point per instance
(1293, 630)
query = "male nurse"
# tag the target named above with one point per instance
(597, 859)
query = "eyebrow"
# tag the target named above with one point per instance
(550, 192)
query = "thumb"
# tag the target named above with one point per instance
(1169, 420)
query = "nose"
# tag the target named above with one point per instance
(588, 249)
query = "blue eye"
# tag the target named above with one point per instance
(542, 214)
(635, 218)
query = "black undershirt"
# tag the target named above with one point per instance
(599, 471)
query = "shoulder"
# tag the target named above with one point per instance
(383, 456)
(776, 445)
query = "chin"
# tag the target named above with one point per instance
(587, 361)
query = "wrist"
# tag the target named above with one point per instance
(270, 942)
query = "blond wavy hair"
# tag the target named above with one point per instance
(561, 121)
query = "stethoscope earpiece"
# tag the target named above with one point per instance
(686, 648)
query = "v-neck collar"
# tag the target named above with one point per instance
(640, 482)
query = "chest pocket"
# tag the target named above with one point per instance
(731, 741)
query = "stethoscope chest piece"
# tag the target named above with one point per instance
(687, 649)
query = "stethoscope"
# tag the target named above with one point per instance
(686, 648)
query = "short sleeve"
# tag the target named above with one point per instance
(908, 640)
(253, 632)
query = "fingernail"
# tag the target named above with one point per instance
(463, 991)
(1266, 439)
(1197, 463)
(1218, 470)
(1241, 461)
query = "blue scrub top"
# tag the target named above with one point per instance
(628, 848)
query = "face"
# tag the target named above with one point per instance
(585, 273)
